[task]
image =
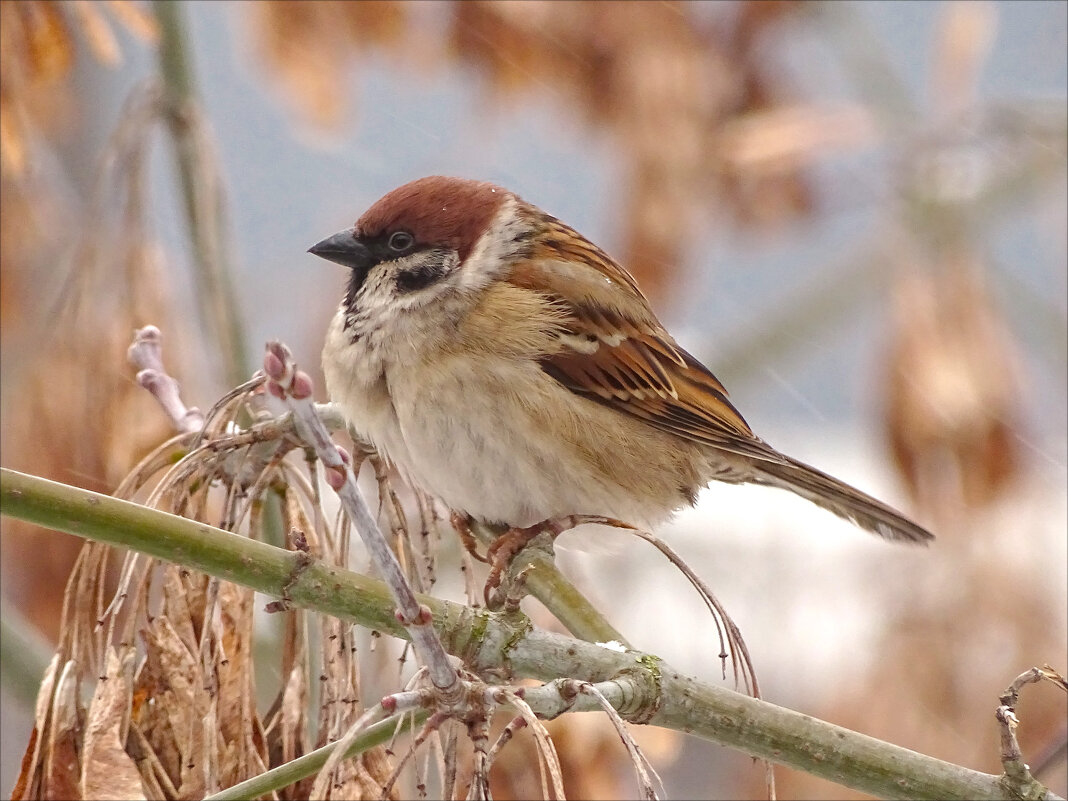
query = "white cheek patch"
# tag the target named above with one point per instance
(380, 300)
(385, 316)
(493, 249)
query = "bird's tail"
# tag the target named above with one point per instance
(838, 497)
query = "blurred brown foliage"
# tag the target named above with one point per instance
(954, 396)
(708, 126)
(37, 50)
(953, 391)
(669, 86)
(592, 759)
(683, 92)
(69, 406)
(307, 48)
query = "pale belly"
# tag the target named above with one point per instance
(507, 443)
(472, 439)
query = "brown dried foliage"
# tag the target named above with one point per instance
(953, 384)
(71, 415)
(37, 49)
(668, 85)
(309, 46)
(174, 712)
(592, 759)
(671, 86)
(90, 443)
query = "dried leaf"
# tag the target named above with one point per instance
(784, 138)
(286, 725)
(293, 725)
(37, 49)
(13, 151)
(375, 770)
(91, 443)
(196, 599)
(310, 46)
(154, 776)
(29, 780)
(62, 768)
(47, 39)
(184, 703)
(175, 607)
(239, 725)
(136, 19)
(24, 784)
(107, 770)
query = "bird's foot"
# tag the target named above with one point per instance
(461, 524)
(502, 552)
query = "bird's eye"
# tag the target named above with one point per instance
(400, 241)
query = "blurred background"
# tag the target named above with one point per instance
(854, 213)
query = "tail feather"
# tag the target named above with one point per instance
(838, 497)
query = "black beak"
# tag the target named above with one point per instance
(345, 249)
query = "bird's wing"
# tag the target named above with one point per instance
(613, 350)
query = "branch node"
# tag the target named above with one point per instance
(1017, 777)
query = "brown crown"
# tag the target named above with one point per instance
(437, 211)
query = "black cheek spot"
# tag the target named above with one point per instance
(418, 277)
(432, 267)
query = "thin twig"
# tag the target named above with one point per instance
(146, 354)
(642, 766)
(741, 662)
(295, 388)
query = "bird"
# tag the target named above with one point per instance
(509, 367)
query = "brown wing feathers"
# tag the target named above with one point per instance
(614, 350)
(608, 359)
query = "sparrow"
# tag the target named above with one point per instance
(509, 367)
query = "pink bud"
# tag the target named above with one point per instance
(302, 385)
(273, 366)
(335, 477)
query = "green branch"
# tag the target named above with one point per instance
(487, 641)
(312, 762)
